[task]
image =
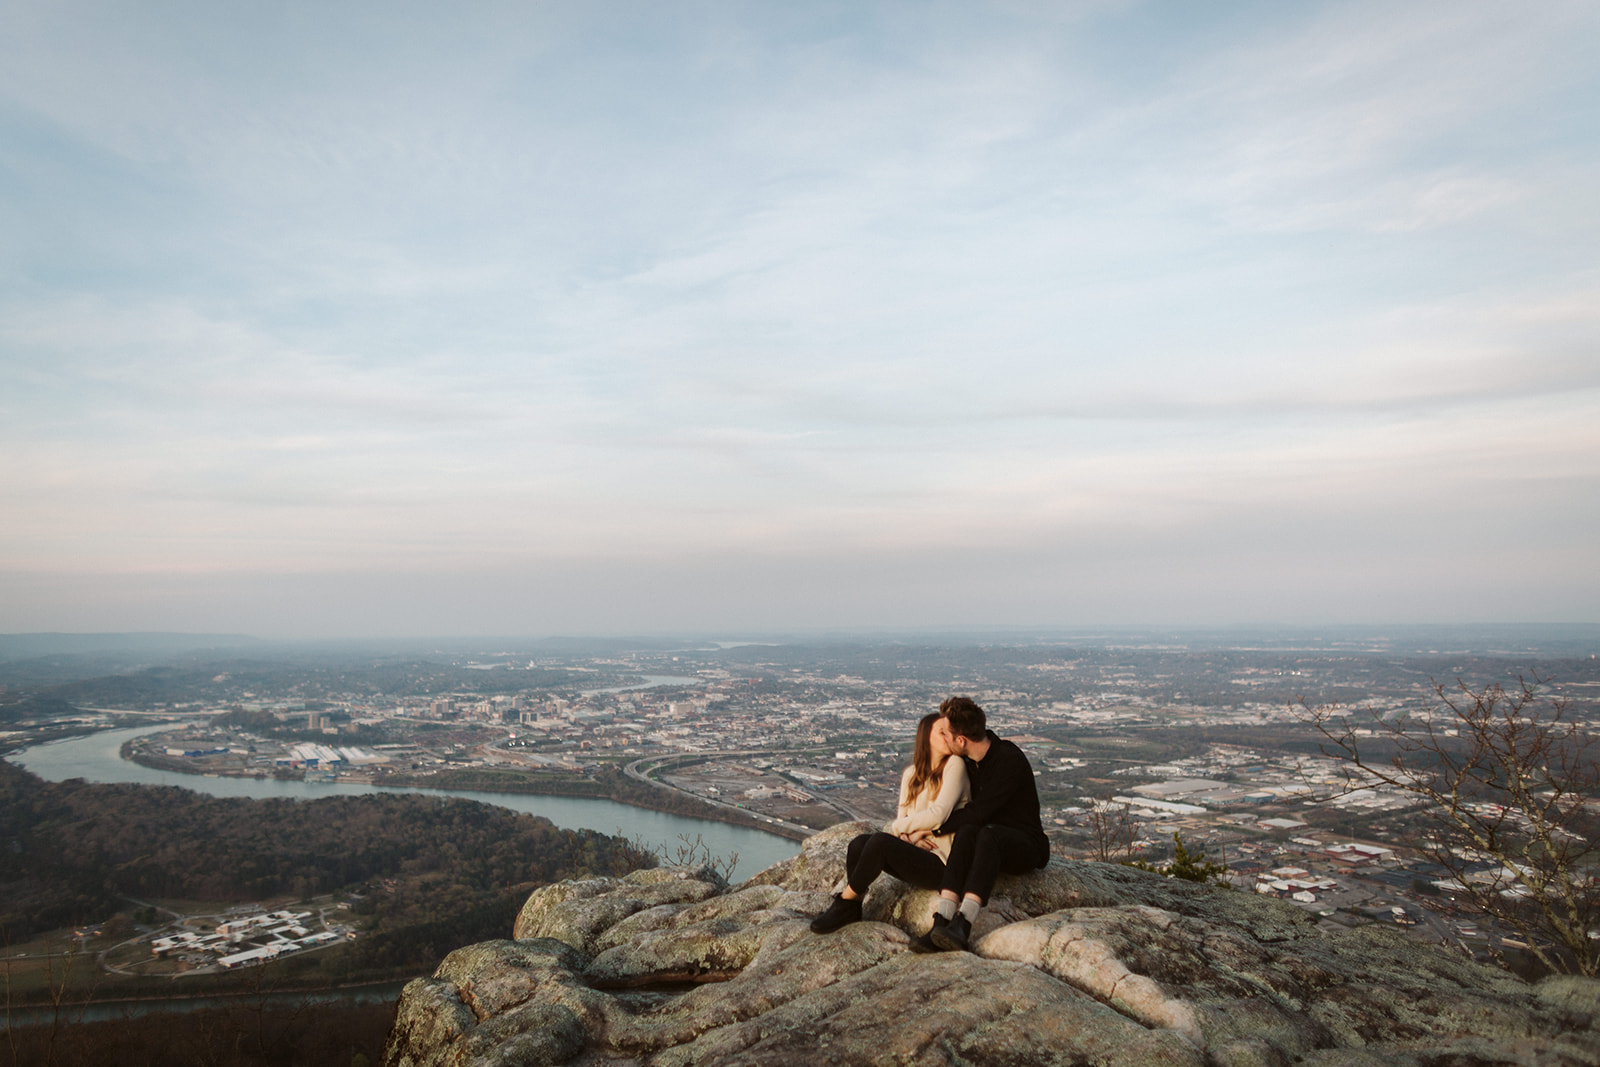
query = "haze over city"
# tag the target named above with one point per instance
(567, 318)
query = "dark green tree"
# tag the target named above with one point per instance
(1186, 865)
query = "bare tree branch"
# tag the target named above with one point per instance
(1112, 830)
(1510, 783)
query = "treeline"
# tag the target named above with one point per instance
(73, 850)
(266, 724)
(245, 1034)
(223, 678)
(16, 706)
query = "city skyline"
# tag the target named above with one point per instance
(617, 319)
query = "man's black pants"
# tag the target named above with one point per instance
(871, 854)
(980, 854)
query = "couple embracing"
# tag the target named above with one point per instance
(969, 811)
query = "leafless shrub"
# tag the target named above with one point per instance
(1112, 830)
(688, 852)
(1510, 781)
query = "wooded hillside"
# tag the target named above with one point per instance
(73, 849)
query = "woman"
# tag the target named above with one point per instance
(930, 789)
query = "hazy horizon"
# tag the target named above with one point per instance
(1555, 640)
(611, 319)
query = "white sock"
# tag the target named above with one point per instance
(969, 910)
(947, 907)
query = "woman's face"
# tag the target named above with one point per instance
(939, 740)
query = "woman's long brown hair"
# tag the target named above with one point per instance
(924, 773)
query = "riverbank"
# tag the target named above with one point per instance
(609, 784)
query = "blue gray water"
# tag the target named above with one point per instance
(97, 758)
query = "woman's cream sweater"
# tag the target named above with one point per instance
(929, 809)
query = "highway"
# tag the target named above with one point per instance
(638, 771)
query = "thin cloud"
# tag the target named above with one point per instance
(1022, 296)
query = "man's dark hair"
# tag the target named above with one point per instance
(966, 718)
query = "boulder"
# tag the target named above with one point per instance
(576, 912)
(1079, 963)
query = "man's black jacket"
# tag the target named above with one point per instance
(1003, 793)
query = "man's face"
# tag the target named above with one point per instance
(951, 740)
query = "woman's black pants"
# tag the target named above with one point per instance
(871, 854)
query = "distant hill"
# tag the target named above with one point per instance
(38, 646)
(32, 660)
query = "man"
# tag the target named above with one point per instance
(998, 831)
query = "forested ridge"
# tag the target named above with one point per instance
(73, 850)
(224, 676)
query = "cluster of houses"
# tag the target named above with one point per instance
(270, 935)
(1297, 883)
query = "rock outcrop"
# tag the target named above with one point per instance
(1080, 963)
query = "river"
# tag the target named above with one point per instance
(97, 758)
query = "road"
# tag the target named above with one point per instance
(633, 770)
(640, 770)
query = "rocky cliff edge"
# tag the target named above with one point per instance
(1080, 963)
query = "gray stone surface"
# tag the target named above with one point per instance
(1080, 963)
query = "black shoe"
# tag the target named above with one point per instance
(953, 937)
(841, 912)
(925, 942)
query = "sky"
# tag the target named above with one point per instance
(584, 318)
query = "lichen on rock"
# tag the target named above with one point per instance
(1079, 963)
